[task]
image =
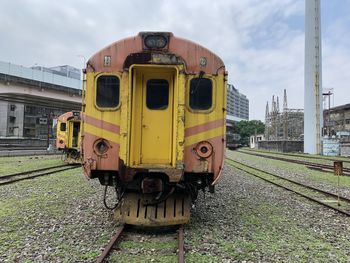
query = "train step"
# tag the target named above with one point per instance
(175, 210)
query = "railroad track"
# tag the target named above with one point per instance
(317, 166)
(12, 178)
(25, 159)
(21, 148)
(305, 156)
(116, 238)
(328, 199)
(26, 152)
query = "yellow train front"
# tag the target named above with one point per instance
(68, 136)
(153, 123)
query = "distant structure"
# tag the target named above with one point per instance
(32, 98)
(237, 105)
(283, 125)
(337, 131)
(65, 71)
(313, 78)
(255, 139)
(337, 120)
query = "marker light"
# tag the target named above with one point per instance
(204, 149)
(101, 146)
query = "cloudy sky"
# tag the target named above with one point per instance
(260, 41)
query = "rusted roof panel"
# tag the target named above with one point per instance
(196, 57)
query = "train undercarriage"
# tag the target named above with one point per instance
(72, 156)
(150, 199)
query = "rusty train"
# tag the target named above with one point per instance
(153, 125)
(68, 136)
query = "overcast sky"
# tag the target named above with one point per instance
(260, 41)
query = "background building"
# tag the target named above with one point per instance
(237, 105)
(337, 120)
(287, 124)
(336, 131)
(11, 119)
(31, 99)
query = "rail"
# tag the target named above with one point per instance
(117, 236)
(181, 244)
(328, 168)
(110, 245)
(342, 204)
(296, 155)
(12, 178)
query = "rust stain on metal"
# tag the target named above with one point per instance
(110, 245)
(181, 252)
(185, 50)
(338, 168)
(193, 162)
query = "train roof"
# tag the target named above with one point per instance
(195, 57)
(68, 115)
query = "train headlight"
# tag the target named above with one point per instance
(155, 41)
(204, 149)
(101, 146)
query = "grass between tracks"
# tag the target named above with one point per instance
(147, 245)
(11, 165)
(49, 219)
(279, 237)
(57, 219)
(304, 173)
(261, 232)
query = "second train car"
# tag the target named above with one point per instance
(153, 123)
(68, 136)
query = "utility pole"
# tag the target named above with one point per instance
(328, 125)
(285, 116)
(267, 121)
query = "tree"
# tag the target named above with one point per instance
(249, 128)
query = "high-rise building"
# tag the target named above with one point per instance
(237, 105)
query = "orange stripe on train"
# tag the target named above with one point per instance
(204, 127)
(101, 124)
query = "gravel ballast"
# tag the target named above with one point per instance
(61, 218)
(251, 220)
(297, 172)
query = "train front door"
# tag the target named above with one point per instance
(157, 118)
(152, 117)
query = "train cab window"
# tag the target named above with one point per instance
(157, 94)
(107, 92)
(63, 127)
(201, 94)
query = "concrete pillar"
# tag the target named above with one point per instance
(3, 118)
(313, 118)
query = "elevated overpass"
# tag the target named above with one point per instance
(31, 99)
(29, 86)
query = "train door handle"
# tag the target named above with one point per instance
(144, 126)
